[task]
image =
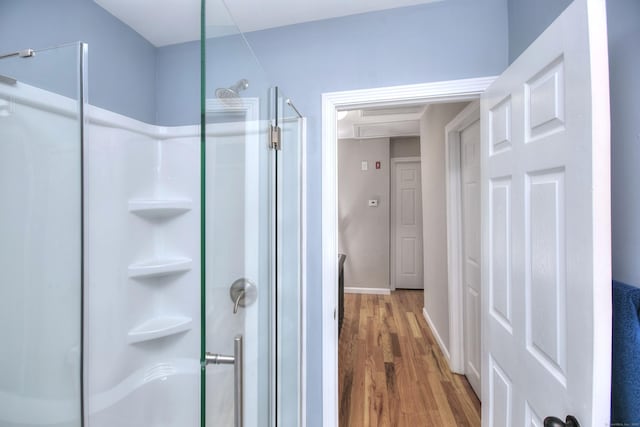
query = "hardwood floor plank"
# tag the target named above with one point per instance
(392, 372)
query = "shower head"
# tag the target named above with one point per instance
(232, 91)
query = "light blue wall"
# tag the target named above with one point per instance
(441, 41)
(527, 19)
(178, 84)
(121, 62)
(228, 60)
(624, 70)
(54, 70)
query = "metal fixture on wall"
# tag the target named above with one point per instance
(232, 91)
(24, 53)
(243, 293)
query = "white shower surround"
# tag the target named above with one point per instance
(143, 331)
(40, 187)
(129, 163)
(142, 207)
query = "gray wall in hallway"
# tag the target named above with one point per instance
(434, 214)
(363, 231)
(526, 21)
(121, 62)
(405, 146)
(439, 41)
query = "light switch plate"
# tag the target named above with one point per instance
(373, 203)
(365, 165)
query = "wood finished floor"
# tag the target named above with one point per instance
(392, 372)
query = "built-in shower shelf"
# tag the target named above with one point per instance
(159, 327)
(160, 267)
(160, 208)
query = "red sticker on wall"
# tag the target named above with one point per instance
(377, 165)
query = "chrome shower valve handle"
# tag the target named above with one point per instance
(243, 293)
(240, 296)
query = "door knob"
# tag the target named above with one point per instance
(570, 421)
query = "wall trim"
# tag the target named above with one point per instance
(449, 91)
(406, 159)
(436, 335)
(370, 291)
(453, 181)
(303, 274)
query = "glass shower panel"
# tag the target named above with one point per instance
(239, 229)
(41, 237)
(289, 296)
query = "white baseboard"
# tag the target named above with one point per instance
(372, 291)
(437, 336)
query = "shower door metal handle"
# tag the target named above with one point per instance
(237, 361)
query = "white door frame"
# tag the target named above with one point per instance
(446, 91)
(392, 215)
(453, 174)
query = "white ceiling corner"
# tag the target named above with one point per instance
(167, 22)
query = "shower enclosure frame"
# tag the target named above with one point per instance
(87, 116)
(75, 111)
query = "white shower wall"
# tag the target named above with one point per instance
(40, 258)
(143, 195)
(143, 272)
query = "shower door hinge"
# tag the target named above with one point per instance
(275, 140)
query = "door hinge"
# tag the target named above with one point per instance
(275, 138)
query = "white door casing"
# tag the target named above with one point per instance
(452, 91)
(470, 167)
(455, 266)
(546, 261)
(406, 224)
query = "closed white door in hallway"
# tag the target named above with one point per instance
(470, 149)
(406, 224)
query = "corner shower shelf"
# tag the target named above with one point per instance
(159, 208)
(160, 267)
(159, 327)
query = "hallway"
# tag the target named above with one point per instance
(391, 370)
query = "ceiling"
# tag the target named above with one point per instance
(287, 12)
(380, 122)
(166, 22)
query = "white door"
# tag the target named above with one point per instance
(470, 158)
(546, 263)
(406, 221)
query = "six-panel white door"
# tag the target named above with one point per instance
(406, 223)
(546, 229)
(470, 167)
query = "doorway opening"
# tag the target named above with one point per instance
(435, 94)
(379, 199)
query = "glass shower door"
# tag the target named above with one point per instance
(238, 222)
(251, 315)
(41, 124)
